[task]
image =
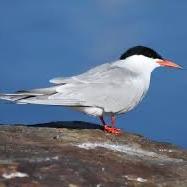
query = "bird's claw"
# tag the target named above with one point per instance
(112, 130)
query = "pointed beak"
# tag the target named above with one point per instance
(168, 63)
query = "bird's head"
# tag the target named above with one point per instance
(142, 58)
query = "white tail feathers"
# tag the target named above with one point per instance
(25, 94)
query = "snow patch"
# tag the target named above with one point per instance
(14, 175)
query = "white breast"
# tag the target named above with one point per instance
(143, 67)
(141, 86)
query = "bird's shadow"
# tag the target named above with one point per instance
(68, 125)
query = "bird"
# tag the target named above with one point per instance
(109, 89)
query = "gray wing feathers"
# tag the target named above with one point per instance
(84, 77)
(103, 87)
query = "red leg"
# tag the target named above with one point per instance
(102, 120)
(110, 129)
(113, 121)
(113, 129)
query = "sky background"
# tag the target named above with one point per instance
(43, 39)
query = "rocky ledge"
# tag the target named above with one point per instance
(78, 154)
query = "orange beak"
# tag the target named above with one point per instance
(168, 63)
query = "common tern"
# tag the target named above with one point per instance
(109, 89)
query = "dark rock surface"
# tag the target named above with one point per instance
(83, 155)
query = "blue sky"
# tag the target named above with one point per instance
(40, 40)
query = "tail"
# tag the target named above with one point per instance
(23, 96)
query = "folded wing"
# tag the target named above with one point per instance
(104, 86)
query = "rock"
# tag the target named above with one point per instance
(78, 154)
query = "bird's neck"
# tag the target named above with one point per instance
(141, 68)
(139, 65)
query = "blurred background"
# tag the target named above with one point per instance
(43, 39)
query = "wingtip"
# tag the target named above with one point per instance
(51, 80)
(55, 81)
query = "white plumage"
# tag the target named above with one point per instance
(108, 89)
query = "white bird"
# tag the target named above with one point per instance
(106, 90)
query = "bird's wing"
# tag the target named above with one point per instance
(84, 77)
(41, 95)
(111, 90)
(108, 87)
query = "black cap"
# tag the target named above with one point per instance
(141, 50)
